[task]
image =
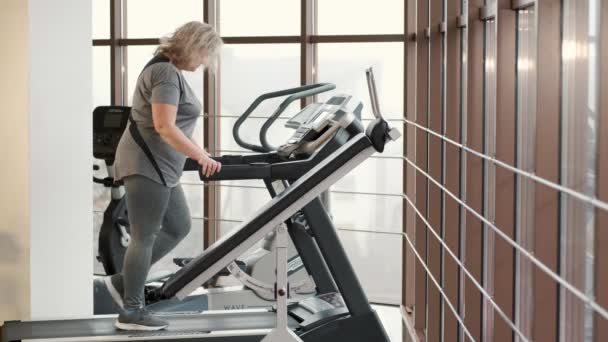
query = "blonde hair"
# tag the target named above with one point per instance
(189, 39)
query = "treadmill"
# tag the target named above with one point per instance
(320, 130)
(348, 316)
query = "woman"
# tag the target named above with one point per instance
(150, 159)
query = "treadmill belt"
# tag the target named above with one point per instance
(180, 325)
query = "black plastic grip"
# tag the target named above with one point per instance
(234, 172)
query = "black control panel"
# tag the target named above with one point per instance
(109, 122)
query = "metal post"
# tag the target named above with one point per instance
(212, 138)
(281, 333)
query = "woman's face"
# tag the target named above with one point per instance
(199, 58)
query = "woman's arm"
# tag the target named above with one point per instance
(163, 116)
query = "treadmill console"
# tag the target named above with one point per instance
(109, 122)
(303, 116)
(311, 121)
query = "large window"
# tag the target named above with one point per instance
(248, 71)
(101, 76)
(101, 19)
(374, 189)
(157, 18)
(259, 18)
(254, 61)
(344, 17)
(345, 64)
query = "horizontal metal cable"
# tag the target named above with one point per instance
(381, 194)
(289, 39)
(233, 151)
(226, 116)
(356, 230)
(219, 185)
(589, 301)
(439, 288)
(463, 267)
(193, 183)
(386, 157)
(222, 151)
(576, 194)
(222, 220)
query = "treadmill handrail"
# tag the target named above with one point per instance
(305, 90)
(314, 90)
(270, 165)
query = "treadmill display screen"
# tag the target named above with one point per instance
(113, 120)
(335, 101)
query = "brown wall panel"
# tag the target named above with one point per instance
(408, 299)
(574, 162)
(601, 232)
(546, 234)
(452, 164)
(116, 54)
(473, 236)
(452, 210)
(505, 180)
(421, 161)
(434, 169)
(211, 139)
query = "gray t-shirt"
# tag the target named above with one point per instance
(158, 83)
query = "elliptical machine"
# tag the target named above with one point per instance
(109, 123)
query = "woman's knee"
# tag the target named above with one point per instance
(177, 225)
(144, 240)
(183, 230)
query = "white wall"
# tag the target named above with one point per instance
(45, 132)
(60, 158)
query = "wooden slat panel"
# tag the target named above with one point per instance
(409, 219)
(211, 139)
(452, 163)
(601, 231)
(574, 144)
(421, 161)
(473, 237)
(434, 170)
(116, 53)
(505, 180)
(307, 50)
(546, 237)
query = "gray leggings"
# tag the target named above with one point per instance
(160, 219)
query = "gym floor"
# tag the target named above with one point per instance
(391, 318)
